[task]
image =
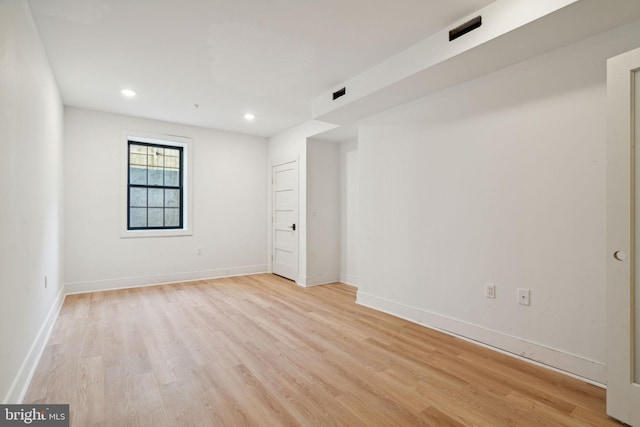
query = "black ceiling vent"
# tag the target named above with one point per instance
(465, 28)
(337, 94)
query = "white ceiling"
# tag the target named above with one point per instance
(268, 57)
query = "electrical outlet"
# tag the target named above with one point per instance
(523, 296)
(200, 251)
(490, 290)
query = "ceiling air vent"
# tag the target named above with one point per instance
(465, 28)
(337, 94)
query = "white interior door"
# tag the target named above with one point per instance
(285, 219)
(623, 237)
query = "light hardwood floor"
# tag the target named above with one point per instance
(260, 351)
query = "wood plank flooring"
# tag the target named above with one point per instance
(260, 351)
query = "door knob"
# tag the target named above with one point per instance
(293, 227)
(620, 256)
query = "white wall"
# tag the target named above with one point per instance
(31, 199)
(323, 213)
(498, 180)
(230, 198)
(348, 159)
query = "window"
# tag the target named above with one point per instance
(155, 196)
(156, 185)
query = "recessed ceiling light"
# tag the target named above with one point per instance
(128, 93)
(249, 116)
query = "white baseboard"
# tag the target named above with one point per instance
(21, 381)
(586, 369)
(349, 279)
(137, 282)
(308, 281)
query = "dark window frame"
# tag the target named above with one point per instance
(179, 187)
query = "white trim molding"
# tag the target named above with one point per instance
(309, 281)
(21, 381)
(165, 279)
(574, 365)
(349, 279)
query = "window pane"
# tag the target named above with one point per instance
(138, 175)
(171, 178)
(171, 152)
(172, 217)
(156, 157)
(137, 149)
(138, 159)
(172, 162)
(156, 177)
(137, 217)
(172, 198)
(156, 197)
(138, 197)
(156, 217)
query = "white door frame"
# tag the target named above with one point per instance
(623, 392)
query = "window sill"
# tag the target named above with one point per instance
(155, 233)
